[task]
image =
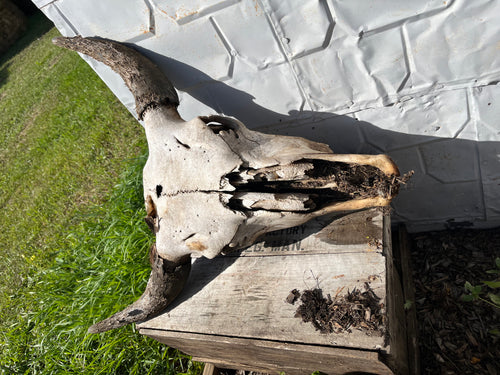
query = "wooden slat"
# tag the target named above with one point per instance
(246, 296)
(409, 296)
(398, 357)
(271, 356)
(356, 232)
(210, 368)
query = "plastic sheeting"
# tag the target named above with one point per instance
(417, 80)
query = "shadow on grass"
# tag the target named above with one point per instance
(38, 25)
(4, 73)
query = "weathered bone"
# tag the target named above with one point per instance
(211, 185)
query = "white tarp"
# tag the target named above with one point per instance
(417, 80)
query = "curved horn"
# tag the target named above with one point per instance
(165, 282)
(148, 84)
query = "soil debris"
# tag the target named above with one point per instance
(293, 296)
(355, 310)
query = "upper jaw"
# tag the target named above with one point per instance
(280, 197)
(317, 183)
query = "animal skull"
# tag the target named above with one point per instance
(211, 185)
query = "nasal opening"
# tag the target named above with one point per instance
(307, 185)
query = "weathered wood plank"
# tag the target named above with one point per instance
(409, 296)
(271, 356)
(246, 297)
(336, 233)
(398, 357)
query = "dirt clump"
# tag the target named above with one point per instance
(293, 296)
(355, 310)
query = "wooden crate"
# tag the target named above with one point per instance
(233, 312)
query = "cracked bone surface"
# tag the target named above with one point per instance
(211, 185)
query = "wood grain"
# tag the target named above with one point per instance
(331, 234)
(247, 297)
(271, 356)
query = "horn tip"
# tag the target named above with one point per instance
(107, 325)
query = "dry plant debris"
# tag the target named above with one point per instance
(354, 310)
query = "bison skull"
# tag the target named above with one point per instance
(211, 185)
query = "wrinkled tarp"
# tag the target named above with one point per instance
(417, 80)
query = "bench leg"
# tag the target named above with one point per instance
(210, 369)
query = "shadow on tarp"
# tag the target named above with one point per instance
(453, 187)
(38, 24)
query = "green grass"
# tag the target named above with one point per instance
(73, 241)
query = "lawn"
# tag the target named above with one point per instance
(73, 240)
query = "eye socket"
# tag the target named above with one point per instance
(217, 127)
(218, 124)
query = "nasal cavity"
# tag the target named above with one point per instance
(159, 189)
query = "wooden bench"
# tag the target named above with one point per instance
(233, 311)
